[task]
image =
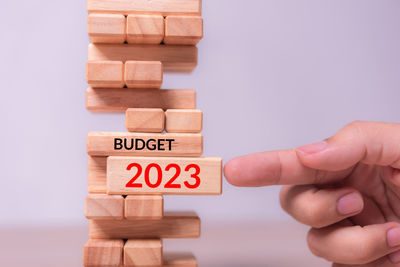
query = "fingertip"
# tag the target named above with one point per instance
(248, 171)
(232, 171)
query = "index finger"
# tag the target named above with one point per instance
(276, 168)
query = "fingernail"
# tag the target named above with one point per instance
(393, 237)
(313, 148)
(395, 257)
(350, 204)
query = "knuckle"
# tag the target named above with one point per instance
(352, 132)
(315, 215)
(283, 199)
(354, 128)
(302, 205)
(361, 251)
(357, 249)
(356, 124)
(289, 197)
(364, 252)
(320, 176)
(312, 244)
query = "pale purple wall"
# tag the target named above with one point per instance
(271, 74)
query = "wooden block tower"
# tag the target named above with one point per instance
(133, 42)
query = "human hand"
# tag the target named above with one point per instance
(347, 188)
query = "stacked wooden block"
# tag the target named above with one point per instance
(145, 29)
(133, 43)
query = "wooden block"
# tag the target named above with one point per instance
(145, 29)
(143, 74)
(172, 225)
(145, 120)
(119, 100)
(183, 121)
(148, 144)
(105, 74)
(150, 175)
(145, 252)
(107, 253)
(144, 207)
(104, 207)
(162, 7)
(107, 28)
(183, 30)
(175, 58)
(97, 175)
(179, 260)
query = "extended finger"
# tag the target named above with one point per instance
(320, 207)
(276, 168)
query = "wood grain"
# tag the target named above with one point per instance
(172, 225)
(155, 144)
(145, 120)
(97, 175)
(104, 207)
(118, 100)
(183, 120)
(183, 30)
(162, 7)
(105, 74)
(175, 58)
(106, 28)
(144, 207)
(103, 253)
(143, 74)
(145, 29)
(208, 181)
(179, 260)
(143, 252)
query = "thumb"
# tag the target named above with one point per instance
(375, 143)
